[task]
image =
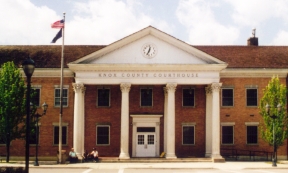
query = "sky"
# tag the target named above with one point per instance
(102, 22)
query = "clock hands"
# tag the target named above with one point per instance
(148, 51)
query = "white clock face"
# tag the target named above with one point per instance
(149, 50)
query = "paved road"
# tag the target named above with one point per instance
(160, 170)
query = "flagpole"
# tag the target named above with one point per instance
(61, 94)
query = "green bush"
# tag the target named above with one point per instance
(12, 170)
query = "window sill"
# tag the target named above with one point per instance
(227, 106)
(252, 144)
(252, 107)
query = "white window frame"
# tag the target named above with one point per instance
(63, 125)
(145, 88)
(185, 88)
(40, 90)
(109, 139)
(192, 124)
(252, 124)
(229, 124)
(251, 87)
(227, 87)
(65, 87)
(99, 88)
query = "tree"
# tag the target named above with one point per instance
(275, 93)
(12, 104)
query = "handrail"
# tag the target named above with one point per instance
(235, 153)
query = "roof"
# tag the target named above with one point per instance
(234, 56)
(250, 56)
(45, 56)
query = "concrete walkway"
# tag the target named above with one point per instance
(159, 165)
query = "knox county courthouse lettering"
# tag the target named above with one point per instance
(150, 93)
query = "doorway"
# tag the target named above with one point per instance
(146, 135)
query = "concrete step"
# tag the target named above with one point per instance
(153, 160)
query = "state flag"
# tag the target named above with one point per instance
(58, 35)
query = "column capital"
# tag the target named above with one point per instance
(125, 87)
(78, 87)
(171, 87)
(216, 87)
(208, 90)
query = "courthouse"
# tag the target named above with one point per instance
(150, 93)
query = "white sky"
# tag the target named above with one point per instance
(101, 22)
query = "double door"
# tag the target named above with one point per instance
(146, 145)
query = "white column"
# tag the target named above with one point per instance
(171, 88)
(216, 121)
(124, 144)
(79, 119)
(165, 119)
(208, 120)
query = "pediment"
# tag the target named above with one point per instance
(148, 46)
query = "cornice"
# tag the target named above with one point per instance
(145, 67)
(50, 72)
(253, 73)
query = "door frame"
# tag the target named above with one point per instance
(146, 121)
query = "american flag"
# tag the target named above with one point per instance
(58, 24)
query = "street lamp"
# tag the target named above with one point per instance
(44, 108)
(279, 107)
(28, 68)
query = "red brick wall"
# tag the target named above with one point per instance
(239, 114)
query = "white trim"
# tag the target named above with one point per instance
(109, 142)
(251, 123)
(143, 120)
(253, 73)
(50, 72)
(193, 124)
(227, 123)
(145, 32)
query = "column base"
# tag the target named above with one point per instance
(124, 156)
(218, 159)
(171, 156)
(208, 155)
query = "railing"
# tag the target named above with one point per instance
(234, 154)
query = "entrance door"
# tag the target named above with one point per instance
(145, 146)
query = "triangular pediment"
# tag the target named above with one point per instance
(149, 46)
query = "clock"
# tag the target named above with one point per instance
(149, 50)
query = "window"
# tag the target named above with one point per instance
(56, 135)
(188, 134)
(33, 136)
(188, 97)
(64, 97)
(251, 96)
(35, 97)
(103, 134)
(146, 96)
(227, 134)
(252, 134)
(103, 98)
(227, 97)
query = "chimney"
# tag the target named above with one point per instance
(253, 41)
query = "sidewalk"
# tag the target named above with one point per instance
(164, 165)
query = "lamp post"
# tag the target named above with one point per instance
(44, 108)
(28, 68)
(274, 160)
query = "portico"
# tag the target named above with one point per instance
(172, 64)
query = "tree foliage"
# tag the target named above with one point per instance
(275, 93)
(12, 104)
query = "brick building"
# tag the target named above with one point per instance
(150, 93)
